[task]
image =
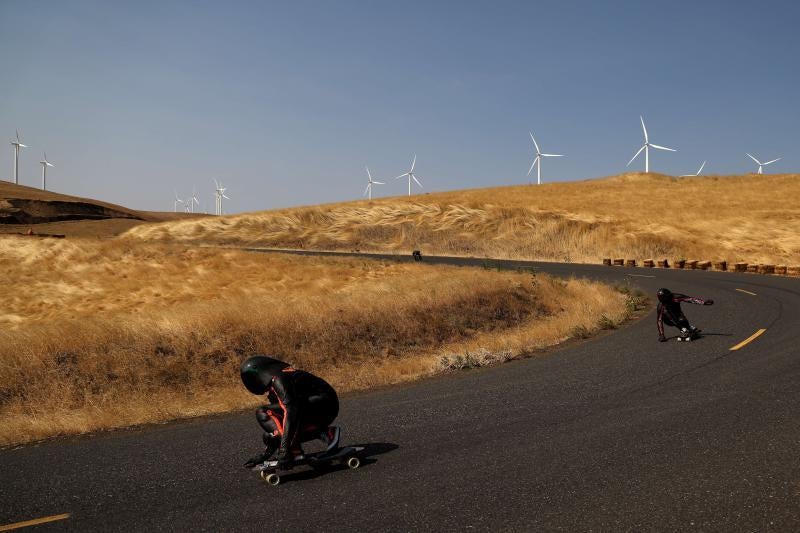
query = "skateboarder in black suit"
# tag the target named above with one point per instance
(302, 407)
(669, 312)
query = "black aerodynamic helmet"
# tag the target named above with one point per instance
(257, 372)
(664, 295)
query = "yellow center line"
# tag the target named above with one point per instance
(34, 522)
(748, 340)
(747, 292)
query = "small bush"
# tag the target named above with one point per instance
(580, 332)
(607, 323)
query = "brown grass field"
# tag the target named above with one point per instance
(737, 218)
(103, 334)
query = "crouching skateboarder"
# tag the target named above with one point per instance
(302, 407)
(669, 312)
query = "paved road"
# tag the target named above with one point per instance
(620, 433)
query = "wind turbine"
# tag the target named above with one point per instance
(760, 164)
(370, 183)
(45, 163)
(538, 161)
(194, 200)
(177, 201)
(17, 144)
(697, 174)
(646, 147)
(411, 176)
(220, 194)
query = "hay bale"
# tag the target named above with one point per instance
(630, 263)
(793, 271)
(663, 263)
(721, 265)
(649, 263)
(619, 262)
(692, 264)
(766, 269)
(753, 269)
(740, 267)
(679, 263)
(780, 270)
(607, 261)
(704, 265)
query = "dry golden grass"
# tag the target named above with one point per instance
(737, 218)
(97, 335)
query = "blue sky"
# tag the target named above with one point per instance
(286, 102)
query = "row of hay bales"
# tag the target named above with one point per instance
(722, 266)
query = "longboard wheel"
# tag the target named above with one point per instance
(353, 463)
(273, 479)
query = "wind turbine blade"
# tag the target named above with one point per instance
(368, 174)
(701, 168)
(657, 147)
(533, 165)
(417, 181)
(534, 142)
(402, 176)
(768, 162)
(378, 183)
(23, 145)
(224, 196)
(644, 130)
(637, 155)
(414, 162)
(366, 190)
(552, 155)
(753, 158)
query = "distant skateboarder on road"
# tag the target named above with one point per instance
(669, 312)
(302, 407)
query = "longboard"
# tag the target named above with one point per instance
(348, 455)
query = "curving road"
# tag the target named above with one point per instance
(620, 433)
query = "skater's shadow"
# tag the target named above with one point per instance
(367, 457)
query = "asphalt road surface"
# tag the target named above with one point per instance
(619, 433)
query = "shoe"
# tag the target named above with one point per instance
(260, 458)
(288, 459)
(330, 437)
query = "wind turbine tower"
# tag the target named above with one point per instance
(45, 163)
(646, 147)
(17, 144)
(538, 161)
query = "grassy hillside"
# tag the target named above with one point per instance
(751, 218)
(26, 208)
(99, 334)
